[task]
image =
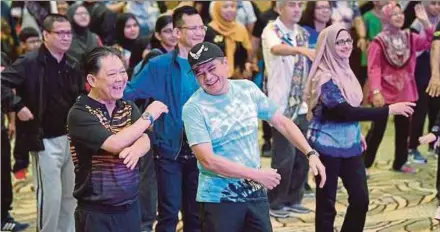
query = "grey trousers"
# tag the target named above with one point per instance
(293, 167)
(56, 180)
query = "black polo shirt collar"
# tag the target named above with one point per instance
(86, 100)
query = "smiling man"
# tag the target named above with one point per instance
(169, 78)
(107, 136)
(221, 123)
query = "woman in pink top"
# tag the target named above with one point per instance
(391, 63)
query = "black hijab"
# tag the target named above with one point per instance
(83, 39)
(135, 46)
(123, 41)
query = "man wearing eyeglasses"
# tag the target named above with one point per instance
(168, 78)
(49, 83)
(286, 53)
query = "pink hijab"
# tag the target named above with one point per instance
(395, 42)
(329, 66)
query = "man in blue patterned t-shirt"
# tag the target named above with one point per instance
(221, 123)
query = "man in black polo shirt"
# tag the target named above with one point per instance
(107, 140)
(48, 83)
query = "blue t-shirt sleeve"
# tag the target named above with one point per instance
(195, 127)
(265, 107)
(331, 95)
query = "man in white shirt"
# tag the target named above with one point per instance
(285, 50)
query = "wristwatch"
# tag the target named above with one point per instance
(435, 129)
(313, 152)
(147, 116)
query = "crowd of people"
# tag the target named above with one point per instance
(131, 112)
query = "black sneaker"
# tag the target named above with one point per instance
(266, 149)
(11, 225)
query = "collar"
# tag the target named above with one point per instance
(46, 56)
(86, 100)
(283, 27)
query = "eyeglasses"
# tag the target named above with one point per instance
(194, 28)
(82, 13)
(33, 41)
(323, 8)
(343, 42)
(61, 34)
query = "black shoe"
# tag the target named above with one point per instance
(307, 187)
(266, 149)
(11, 225)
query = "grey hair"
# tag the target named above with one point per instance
(280, 4)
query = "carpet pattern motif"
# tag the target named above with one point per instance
(398, 202)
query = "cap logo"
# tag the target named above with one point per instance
(197, 55)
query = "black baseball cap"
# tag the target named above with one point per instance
(203, 53)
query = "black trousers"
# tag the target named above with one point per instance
(6, 187)
(148, 191)
(235, 217)
(267, 132)
(418, 117)
(87, 220)
(21, 152)
(433, 111)
(375, 136)
(352, 172)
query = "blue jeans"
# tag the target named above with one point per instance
(177, 182)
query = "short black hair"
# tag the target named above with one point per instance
(92, 60)
(50, 19)
(28, 32)
(180, 12)
(308, 16)
(162, 22)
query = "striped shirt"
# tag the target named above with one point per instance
(101, 178)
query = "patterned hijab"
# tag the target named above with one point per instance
(329, 66)
(233, 32)
(395, 42)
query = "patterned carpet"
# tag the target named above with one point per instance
(398, 202)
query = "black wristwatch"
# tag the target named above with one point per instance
(313, 152)
(435, 129)
(147, 116)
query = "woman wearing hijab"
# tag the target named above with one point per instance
(232, 37)
(422, 76)
(334, 95)
(128, 41)
(83, 39)
(391, 64)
